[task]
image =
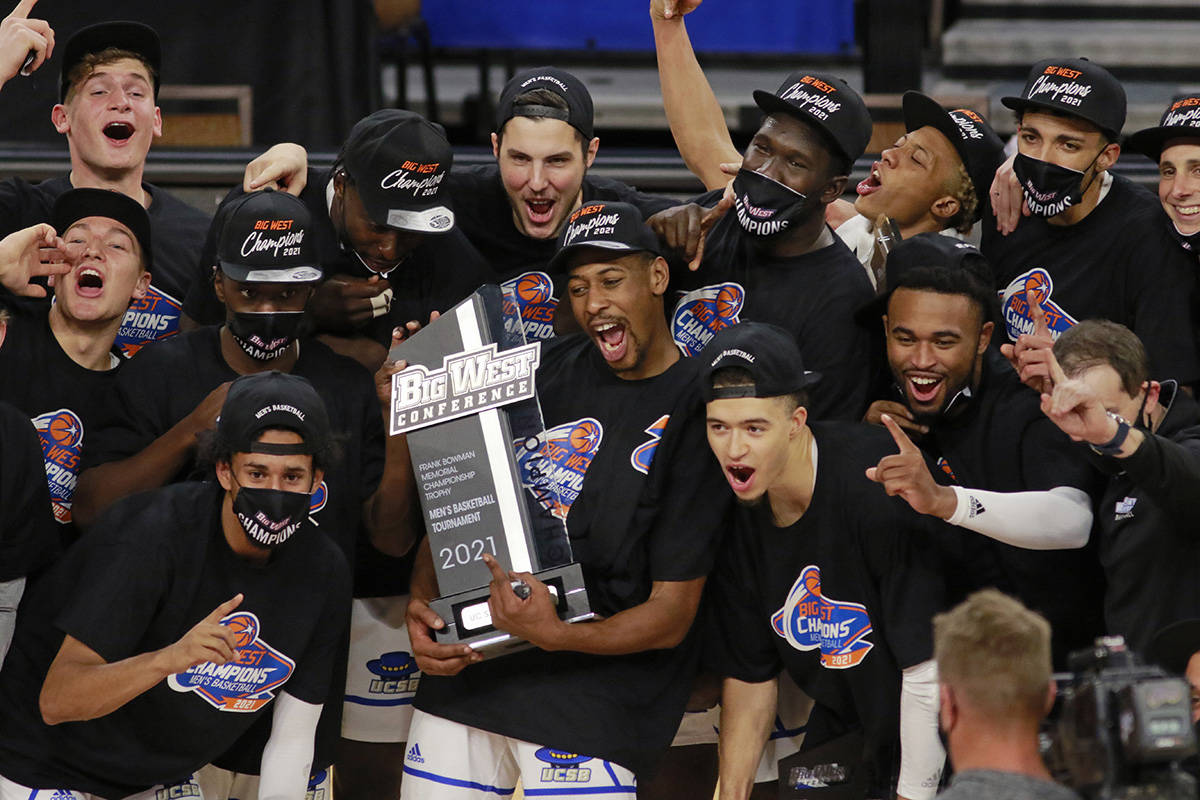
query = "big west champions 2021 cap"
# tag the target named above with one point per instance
(132, 36)
(613, 226)
(980, 149)
(578, 113)
(1181, 120)
(1077, 87)
(265, 239)
(76, 204)
(826, 101)
(398, 162)
(273, 400)
(767, 352)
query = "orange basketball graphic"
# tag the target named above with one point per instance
(729, 301)
(533, 288)
(1036, 288)
(244, 628)
(584, 436)
(64, 429)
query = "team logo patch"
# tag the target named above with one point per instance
(248, 682)
(702, 314)
(61, 433)
(563, 767)
(810, 621)
(553, 464)
(643, 456)
(1124, 508)
(149, 318)
(396, 673)
(533, 294)
(188, 787)
(1035, 285)
(319, 498)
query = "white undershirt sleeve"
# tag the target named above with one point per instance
(288, 754)
(921, 754)
(1057, 519)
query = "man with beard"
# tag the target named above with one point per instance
(1093, 244)
(1009, 480)
(775, 260)
(109, 82)
(822, 575)
(590, 709)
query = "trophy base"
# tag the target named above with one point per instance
(469, 620)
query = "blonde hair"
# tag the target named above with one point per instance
(995, 652)
(962, 188)
(90, 62)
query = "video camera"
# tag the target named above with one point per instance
(1121, 727)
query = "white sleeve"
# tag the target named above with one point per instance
(1056, 519)
(288, 754)
(921, 753)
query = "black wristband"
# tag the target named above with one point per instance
(1113, 446)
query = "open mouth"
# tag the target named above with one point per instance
(540, 211)
(740, 476)
(924, 388)
(612, 340)
(1187, 211)
(870, 183)
(118, 131)
(89, 282)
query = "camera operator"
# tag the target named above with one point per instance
(993, 658)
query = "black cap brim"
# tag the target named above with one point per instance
(1173, 646)
(1150, 141)
(770, 103)
(77, 204)
(247, 274)
(122, 34)
(1020, 104)
(562, 258)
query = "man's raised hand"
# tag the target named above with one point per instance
(29, 253)
(208, 640)
(906, 474)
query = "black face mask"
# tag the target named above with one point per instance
(270, 516)
(766, 208)
(265, 335)
(1050, 189)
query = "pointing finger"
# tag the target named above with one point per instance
(902, 441)
(226, 607)
(22, 10)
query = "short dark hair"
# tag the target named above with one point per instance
(541, 97)
(947, 280)
(213, 450)
(727, 377)
(1096, 342)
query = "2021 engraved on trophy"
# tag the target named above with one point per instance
(468, 404)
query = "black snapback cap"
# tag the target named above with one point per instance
(265, 238)
(124, 34)
(923, 250)
(273, 400)
(825, 101)
(578, 113)
(979, 147)
(1077, 87)
(1181, 120)
(398, 162)
(76, 204)
(613, 226)
(767, 352)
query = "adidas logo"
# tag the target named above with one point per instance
(976, 508)
(414, 754)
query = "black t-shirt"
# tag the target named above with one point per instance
(519, 262)
(1117, 263)
(61, 397)
(813, 296)
(441, 271)
(1147, 523)
(648, 508)
(842, 599)
(28, 539)
(168, 380)
(999, 440)
(154, 566)
(178, 231)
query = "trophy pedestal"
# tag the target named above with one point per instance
(469, 620)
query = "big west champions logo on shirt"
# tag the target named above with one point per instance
(61, 433)
(643, 456)
(153, 317)
(1036, 285)
(553, 464)
(810, 621)
(533, 294)
(563, 767)
(702, 314)
(246, 683)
